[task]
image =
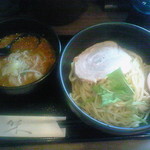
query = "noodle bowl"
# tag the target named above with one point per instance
(129, 104)
(28, 47)
(124, 113)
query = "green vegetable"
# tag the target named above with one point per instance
(106, 95)
(119, 84)
(117, 90)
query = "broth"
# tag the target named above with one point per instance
(29, 60)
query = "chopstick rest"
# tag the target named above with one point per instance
(31, 126)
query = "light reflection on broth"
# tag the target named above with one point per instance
(29, 60)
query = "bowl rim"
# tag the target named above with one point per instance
(57, 57)
(70, 99)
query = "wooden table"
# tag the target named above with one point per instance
(116, 145)
(93, 15)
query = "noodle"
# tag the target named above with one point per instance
(122, 113)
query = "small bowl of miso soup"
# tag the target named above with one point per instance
(29, 51)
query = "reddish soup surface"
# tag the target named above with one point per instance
(29, 60)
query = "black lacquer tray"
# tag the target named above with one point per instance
(50, 101)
